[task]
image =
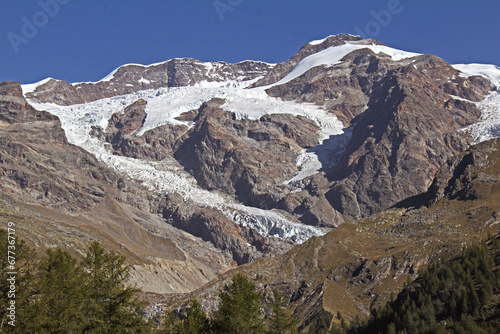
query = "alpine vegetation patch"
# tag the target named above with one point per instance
(30, 26)
(223, 6)
(381, 19)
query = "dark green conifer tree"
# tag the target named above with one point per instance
(25, 284)
(281, 321)
(240, 309)
(59, 305)
(172, 324)
(113, 305)
(196, 321)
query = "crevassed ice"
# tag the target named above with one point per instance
(489, 125)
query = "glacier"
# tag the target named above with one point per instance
(167, 176)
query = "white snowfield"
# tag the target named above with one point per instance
(491, 72)
(489, 125)
(164, 105)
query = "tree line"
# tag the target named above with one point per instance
(56, 293)
(454, 295)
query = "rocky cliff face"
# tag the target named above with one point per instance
(35, 155)
(408, 129)
(282, 69)
(155, 144)
(243, 157)
(473, 175)
(243, 244)
(405, 119)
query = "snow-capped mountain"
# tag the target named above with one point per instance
(253, 157)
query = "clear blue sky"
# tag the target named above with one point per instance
(83, 40)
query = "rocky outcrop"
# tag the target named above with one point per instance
(15, 109)
(246, 158)
(468, 176)
(405, 116)
(121, 133)
(410, 127)
(243, 244)
(35, 156)
(132, 78)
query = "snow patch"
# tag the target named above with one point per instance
(255, 103)
(144, 81)
(490, 72)
(333, 55)
(459, 98)
(29, 88)
(489, 125)
(319, 41)
(109, 76)
(269, 223)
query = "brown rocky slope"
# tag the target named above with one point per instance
(356, 266)
(405, 118)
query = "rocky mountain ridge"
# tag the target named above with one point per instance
(282, 69)
(131, 78)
